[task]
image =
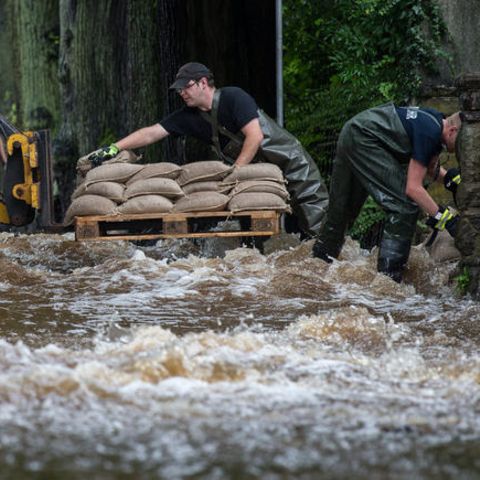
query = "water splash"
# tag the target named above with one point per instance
(131, 361)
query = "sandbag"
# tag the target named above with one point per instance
(162, 169)
(156, 186)
(89, 205)
(255, 171)
(113, 172)
(443, 248)
(124, 156)
(84, 165)
(212, 186)
(146, 204)
(112, 190)
(261, 186)
(202, 201)
(203, 171)
(257, 201)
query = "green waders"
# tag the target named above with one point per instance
(309, 195)
(373, 153)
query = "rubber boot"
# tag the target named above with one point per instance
(319, 250)
(393, 257)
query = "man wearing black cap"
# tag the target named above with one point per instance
(231, 121)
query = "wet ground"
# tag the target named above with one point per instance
(182, 360)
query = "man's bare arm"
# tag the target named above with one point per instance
(253, 138)
(141, 138)
(415, 189)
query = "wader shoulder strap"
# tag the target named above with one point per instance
(435, 119)
(214, 121)
(212, 118)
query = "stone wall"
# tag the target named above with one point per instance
(457, 87)
(463, 21)
(462, 18)
(468, 197)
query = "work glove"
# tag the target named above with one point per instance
(452, 180)
(444, 219)
(102, 154)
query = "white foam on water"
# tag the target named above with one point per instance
(314, 376)
(290, 366)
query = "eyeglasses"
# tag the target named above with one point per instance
(186, 87)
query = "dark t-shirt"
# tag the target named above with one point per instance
(424, 129)
(235, 109)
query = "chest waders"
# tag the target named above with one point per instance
(373, 153)
(309, 196)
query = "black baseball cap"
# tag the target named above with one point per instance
(190, 71)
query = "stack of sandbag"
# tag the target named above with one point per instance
(126, 188)
(101, 190)
(201, 183)
(152, 190)
(257, 186)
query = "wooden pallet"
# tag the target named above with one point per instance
(175, 225)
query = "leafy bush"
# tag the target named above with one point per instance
(463, 281)
(343, 56)
(371, 214)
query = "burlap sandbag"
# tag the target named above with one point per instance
(261, 186)
(443, 248)
(112, 190)
(84, 165)
(257, 201)
(146, 204)
(213, 186)
(202, 201)
(203, 171)
(255, 171)
(113, 172)
(89, 205)
(162, 169)
(156, 186)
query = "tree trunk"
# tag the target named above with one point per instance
(94, 71)
(111, 75)
(35, 29)
(8, 90)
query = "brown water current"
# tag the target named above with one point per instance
(120, 361)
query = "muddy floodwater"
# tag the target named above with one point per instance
(126, 361)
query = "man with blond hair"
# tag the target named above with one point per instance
(386, 152)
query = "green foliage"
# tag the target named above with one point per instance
(381, 47)
(463, 281)
(343, 56)
(370, 215)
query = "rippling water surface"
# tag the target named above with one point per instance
(120, 361)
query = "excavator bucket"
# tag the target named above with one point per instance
(16, 193)
(28, 180)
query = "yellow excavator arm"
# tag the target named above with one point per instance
(27, 184)
(4, 217)
(28, 191)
